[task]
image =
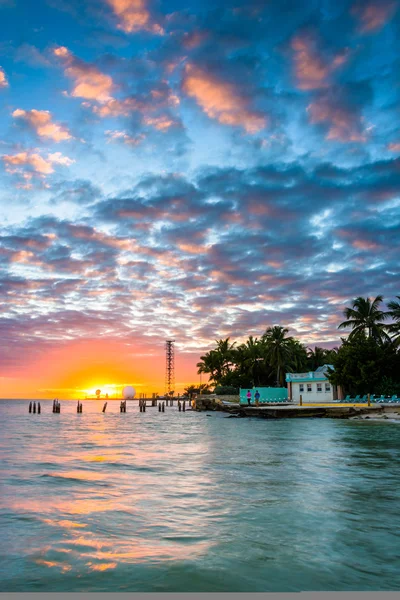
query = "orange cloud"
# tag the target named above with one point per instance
(311, 69)
(134, 15)
(221, 100)
(374, 15)
(90, 83)
(40, 121)
(114, 108)
(162, 123)
(344, 125)
(29, 163)
(3, 79)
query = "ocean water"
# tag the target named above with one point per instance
(195, 502)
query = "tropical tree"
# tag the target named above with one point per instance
(394, 313)
(278, 350)
(297, 361)
(366, 317)
(217, 363)
(316, 358)
(361, 364)
(203, 388)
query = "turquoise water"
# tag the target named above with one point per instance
(180, 502)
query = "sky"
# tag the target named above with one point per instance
(189, 171)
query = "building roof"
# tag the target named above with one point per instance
(318, 375)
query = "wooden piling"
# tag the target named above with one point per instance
(38, 408)
(30, 407)
(104, 407)
(184, 405)
(369, 399)
(159, 408)
(34, 408)
(179, 406)
(163, 406)
(301, 400)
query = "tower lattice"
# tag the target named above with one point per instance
(169, 366)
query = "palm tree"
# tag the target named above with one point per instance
(217, 362)
(394, 313)
(278, 349)
(366, 318)
(316, 357)
(248, 356)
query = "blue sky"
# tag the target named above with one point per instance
(194, 169)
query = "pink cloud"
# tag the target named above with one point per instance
(394, 147)
(89, 82)
(311, 68)
(3, 79)
(344, 125)
(162, 123)
(373, 15)
(365, 245)
(221, 100)
(134, 15)
(28, 164)
(40, 121)
(115, 108)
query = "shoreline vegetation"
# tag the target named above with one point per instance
(367, 362)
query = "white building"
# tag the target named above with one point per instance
(313, 386)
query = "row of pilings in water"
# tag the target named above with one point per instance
(122, 408)
(32, 407)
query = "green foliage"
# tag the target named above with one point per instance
(226, 390)
(204, 388)
(361, 363)
(388, 387)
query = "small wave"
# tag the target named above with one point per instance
(66, 480)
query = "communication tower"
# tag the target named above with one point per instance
(169, 366)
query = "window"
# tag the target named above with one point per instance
(319, 387)
(301, 387)
(327, 387)
(309, 387)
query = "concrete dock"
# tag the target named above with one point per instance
(284, 411)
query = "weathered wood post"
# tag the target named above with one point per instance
(58, 406)
(301, 400)
(30, 406)
(184, 405)
(159, 407)
(34, 408)
(179, 406)
(104, 407)
(163, 406)
(38, 408)
(369, 399)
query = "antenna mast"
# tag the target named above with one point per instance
(169, 366)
